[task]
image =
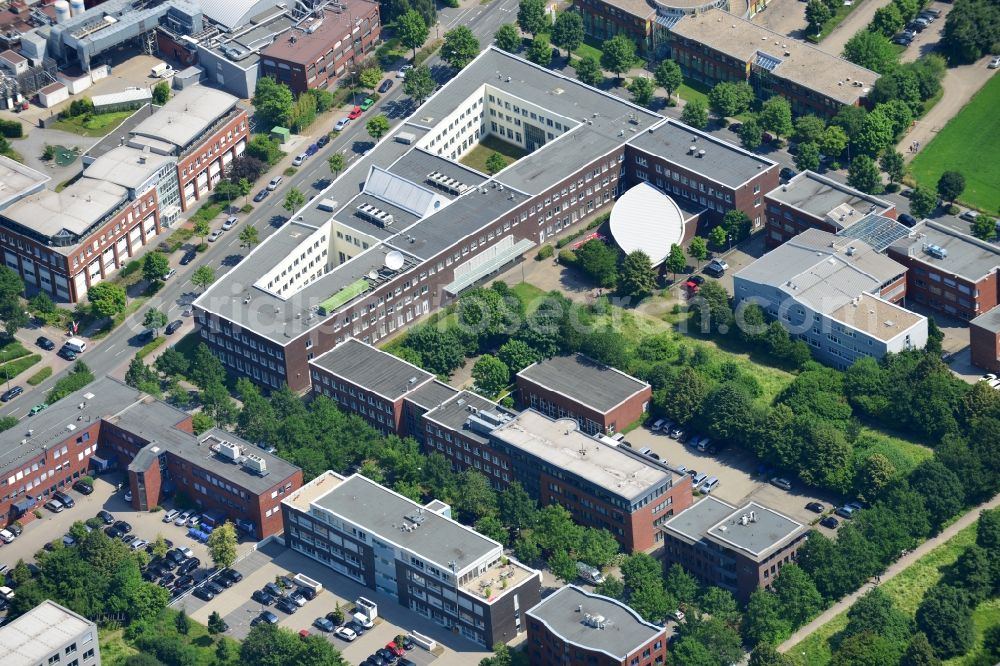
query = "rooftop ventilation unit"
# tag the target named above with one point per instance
(447, 183)
(229, 451)
(327, 205)
(256, 464)
(374, 214)
(936, 251)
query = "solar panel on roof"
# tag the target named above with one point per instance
(876, 230)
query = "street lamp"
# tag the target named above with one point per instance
(437, 30)
(730, 237)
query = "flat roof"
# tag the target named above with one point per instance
(74, 210)
(127, 166)
(967, 256)
(432, 394)
(45, 629)
(584, 380)
(821, 197)
(562, 444)
(877, 317)
(638, 8)
(120, 135)
(18, 180)
(383, 512)
(989, 320)
(13, 57)
(188, 113)
(455, 411)
(694, 521)
(647, 219)
(786, 58)
(755, 529)
(570, 613)
(303, 46)
(724, 162)
(373, 369)
(123, 97)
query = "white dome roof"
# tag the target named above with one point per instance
(644, 218)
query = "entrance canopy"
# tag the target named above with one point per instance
(644, 218)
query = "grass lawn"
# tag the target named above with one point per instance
(92, 125)
(692, 90)
(837, 19)
(529, 294)
(975, 131)
(589, 47)
(114, 649)
(476, 158)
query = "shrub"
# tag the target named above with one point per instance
(78, 377)
(567, 257)
(131, 267)
(40, 376)
(38, 513)
(248, 208)
(11, 129)
(150, 346)
(545, 252)
(87, 480)
(291, 171)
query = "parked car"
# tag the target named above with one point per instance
(657, 424)
(907, 220)
(105, 517)
(265, 616)
(184, 582)
(830, 522)
(273, 590)
(994, 62)
(54, 505)
(395, 649)
(341, 124)
(286, 606)
(45, 343)
(189, 565)
(190, 255)
(385, 86)
(167, 580)
(12, 393)
(67, 500)
(273, 184)
(213, 587)
(83, 488)
(169, 274)
(969, 215)
(260, 196)
(676, 432)
(782, 483)
(323, 140)
(845, 512)
(816, 507)
(214, 236)
(694, 283)
(185, 551)
(307, 592)
(401, 74)
(232, 575)
(355, 113)
(312, 149)
(298, 598)
(786, 173)
(182, 518)
(367, 104)
(173, 326)
(67, 354)
(230, 223)
(6, 536)
(299, 159)
(355, 626)
(324, 624)
(903, 39)
(203, 593)
(262, 597)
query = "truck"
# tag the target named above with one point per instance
(589, 573)
(161, 70)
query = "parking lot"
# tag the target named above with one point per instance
(739, 480)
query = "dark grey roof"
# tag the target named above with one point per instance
(989, 320)
(102, 397)
(694, 521)
(417, 164)
(382, 512)
(432, 394)
(455, 412)
(967, 256)
(584, 380)
(570, 613)
(114, 139)
(818, 195)
(380, 372)
(723, 162)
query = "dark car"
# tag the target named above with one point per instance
(168, 580)
(113, 532)
(312, 149)
(67, 500)
(189, 565)
(232, 574)
(188, 257)
(286, 606)
(203, 593)
(184, 582)
(260, 196)
(262, 597)
(173, 326)
(907, 220)
(265, 616)
(273, 590)
(830, 522)
(323, 140)
(308, 593)
(175, 556)
(385, 86)
(45, 343)
(786, 173)
(16, 530)
(285, 582)
(376, 660)
(150, 575)
(67, 354)
(222, 581)
(355, 626)
(83, 488)
(213, 587)
(12, 393)
(903, 39)
(123, 527)
(815, 507)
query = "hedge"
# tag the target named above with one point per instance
(11, 129)
(150, 346)
(40, 376)
(545, 252)
(14, 368)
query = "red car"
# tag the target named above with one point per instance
(694, 284)
(355, 113)
(395, 649)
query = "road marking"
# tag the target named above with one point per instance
(120, 353)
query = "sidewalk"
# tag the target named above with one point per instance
(895, 568)
(855, 21)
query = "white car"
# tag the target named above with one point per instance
(678, 615)
(185, 551)
(214, 236)
(345, 632)
(229, 223)
(273, 185)
(299, 159)
(341, 124)
(994, 62)
(138, 544)
(182, 519)
(657, 425)
(171, 515)
(7, 536)
(401, 74)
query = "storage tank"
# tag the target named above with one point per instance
(62, 11)
(76, 7)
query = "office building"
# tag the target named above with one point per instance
(600, 398)
(984, 341)
(837, 294)
(739, 550)
(49, 634)
(573, 627)
(417, 554)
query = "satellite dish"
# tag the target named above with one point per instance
(394, 260)
(373, 275)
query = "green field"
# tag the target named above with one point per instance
(476, 158)
(92, 125)
(971, 138)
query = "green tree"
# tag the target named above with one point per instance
(973, 572)
(508, 38)
(641, 570)
(945, 616)
(226, 191)
(833, 142)
(588, 71)
(138, 374)
(419, 84)
(948, 496)
(969, 31)
(215, 623)
(642, 90)
(154, 266)
(531, 16)
(618, 54)
(106, 299)
(651, 602)
(607, 346)
(563, 566)
(764, 621)
(460, 47)
(495, 163)
(776, 116)
(270, 645)
(540, 50)
(695, 114)
(887, 21)
(817, 14)
(611, 587)
(160, 546)
(676, 261)
(567, 32)
(919, 652)
(294, 199)
(698, 249)
(475, 495)
(249, 237)
(201, 228)
(182, 623)
(668, 76)
(874, 474)
(923, 202)
(222, 545)
(764, 654)
(412, 30)
(203, 276)
(337, 163)
(950, 185)
(871, 50)
(807, 157)
(245, 187)
(264, 148)
(161, 93)
(517, 510)
(680, 584)
(730, 99)
(155, 320)
(598, 547)
(721, 604)
(370, 77)
(737, 225)
(865, 649)
(638, 279)
(171, 362)
(892, 163)
(377, 126)
(491, 375)
(985, 227)
(797, 595)
(751, 134)
(273, 102)
(599, 261)
(864, 175)
(42, 302)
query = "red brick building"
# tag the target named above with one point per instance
(600, 398)
(604, 19)
(204, 129)
(738, 550)
(107, 424)
(572, 627)
(949, 271)
(812, 201)
(984, 341)
(320, 51)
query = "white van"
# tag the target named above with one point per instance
(76, 344)
(710, 485)
(161, 69)
(589, 573)
(698, 480)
